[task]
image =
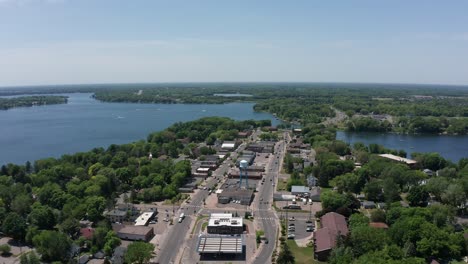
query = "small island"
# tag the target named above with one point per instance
(28, 101)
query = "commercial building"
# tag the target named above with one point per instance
(225, 224)
(333, 225)
(261, 147)
(244, 196)
(144, 218)
(300, 190)
(235, 173)
(143, 233)
(228, 145)
(409, 162)
(220, 245)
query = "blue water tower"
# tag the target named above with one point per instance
(243, 173)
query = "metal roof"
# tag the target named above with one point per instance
(220, 244)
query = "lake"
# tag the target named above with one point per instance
(450, 147)
(32, 133)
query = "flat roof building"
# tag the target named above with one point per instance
(300, 190)
(219, 244)
(244, 196)
(398, 158)
(228, 145)
(225, 224)
(144, 218)
(143, 233)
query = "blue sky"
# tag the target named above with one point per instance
(112, 41)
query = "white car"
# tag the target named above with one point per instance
(291, 236)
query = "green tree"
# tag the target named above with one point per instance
(5, 249)
(418, 196)
(53, 245)
(29, 258)
(42, 216)
(139, 252)
(14, 226)
(285, 256)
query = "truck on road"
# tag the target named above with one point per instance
(181, 217)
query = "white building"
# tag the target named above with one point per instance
(144, 218)
(225, 224)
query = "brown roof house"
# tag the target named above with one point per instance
(333, 226)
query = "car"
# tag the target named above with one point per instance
(204, 188)
(273, 184)
(291, 236)
(309, 229)
(292, 218)
(309, 221)
(261, 199)
(266, 241)
(292, 224)
(291, 229)
(152, 222)
(166, 220)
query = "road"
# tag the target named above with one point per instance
(177, 233)
(269, 219)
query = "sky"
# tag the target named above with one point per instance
(139, 41)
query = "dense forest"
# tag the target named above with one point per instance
(25, 101)
(42, 202)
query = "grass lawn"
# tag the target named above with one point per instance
(303, 255)
(282, 185)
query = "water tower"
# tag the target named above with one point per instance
(243, 173)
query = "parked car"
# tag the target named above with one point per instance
(292, 218)
(291, 236)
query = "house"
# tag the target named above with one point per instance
(368, 205)
(87, 232)
(228, 145)
(300, 190)
(325, 238)
(315, 194)
(428, 172)
(312, 181)
(143, 233)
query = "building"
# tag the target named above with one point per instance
(225, 224)
(300, 190)
(315, 194)
(116, 216)
(244, 196)
(333, 225)
(261, 147)
(221, 246)
(368, 205)
(249, 156)
(235, 173)
(283, 197)
(144, 218)
(143, 233)
(312, 181)
(228, 145)
(409, 162)
(87, 232)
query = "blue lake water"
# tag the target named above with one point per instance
(32, 133)
(450, 147)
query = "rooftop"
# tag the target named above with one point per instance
(135, 230)
(224, 220)
(143, 218)
(397, 158)
(220, 244)
(299, 189)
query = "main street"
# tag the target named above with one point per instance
(175, 237)
(270, 221)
